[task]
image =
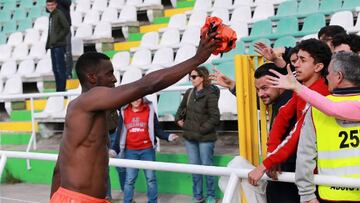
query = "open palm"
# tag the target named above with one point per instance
(283, 81)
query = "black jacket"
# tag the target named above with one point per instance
(58, 29)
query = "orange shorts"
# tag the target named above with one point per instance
(67, 196)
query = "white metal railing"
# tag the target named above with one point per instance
(235, 174)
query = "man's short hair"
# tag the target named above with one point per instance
(348, 64)
(340, 39)
(264, 70)
(354, 42)
(88, 62)
(51, 1)
(330, 31)
(319, 51)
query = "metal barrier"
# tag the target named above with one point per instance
(234, 174)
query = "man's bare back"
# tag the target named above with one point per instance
(82, 164)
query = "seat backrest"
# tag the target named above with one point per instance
(287, 41)
(170, 37)
(227, 102)
(177, 21)
(103, 30)
(9, 5)
(9, 27)
(34, 12)
(20, 52)
(5, 16)
(313, 23)
(131, 75)
(163, 56)
(25, 4)
(32, 36)
(19, 14)
(191, 36)
(118, 4)
(141, 57)
(128, 13)
(204, 5)
(287, 25)
(262, 27)
(185, 52)
(44, 66)
(99, 5)
(263, 11)
(77, 46)
(3, 39)
(350, 4)
(26, 67)
(222, 4)
(5, 51)
(54, 104)
(42, 23)
(222, 13)
(8, 69)
(84, 31)
(24, 24)
(83, 6)
(343, 18)
(15, 39)
(243, 3)
(197, 18)
(120, 59)
(38, 50)
(110, 15)
(241, 14)
(76, 18)
(13, 85)
(134, 3)
(169, 103)
(330, 5)
(308, 6)
(92, 17)
(150, 40)
(287, 8)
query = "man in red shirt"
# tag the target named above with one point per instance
(313, 58)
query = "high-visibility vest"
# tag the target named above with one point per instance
(338, 146)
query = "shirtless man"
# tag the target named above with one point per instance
(81, 171)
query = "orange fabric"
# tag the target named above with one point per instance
(226, 34)
(63, 195)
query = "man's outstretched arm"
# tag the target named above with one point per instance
(102, 98)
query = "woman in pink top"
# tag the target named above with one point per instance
(346, 110)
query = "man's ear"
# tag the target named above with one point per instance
(319, 67)
(340, 77)
(91, 78)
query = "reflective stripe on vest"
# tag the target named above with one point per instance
(338, 146)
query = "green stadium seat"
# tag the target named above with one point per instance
(330, 6)
(286, 26)
(229, 56)
(286, 8)
(35, 12)
(307, 7)
(168, 103)
(40, 3)
(19, 14)
(26, 4)
(259, 28)
(287, 41)
(9, 5)
(5, 15)
(312, 24)
(24, 25)
(2, 38)
(263, 40)
(9, 27)
(350, 4)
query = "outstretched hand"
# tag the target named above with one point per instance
(208, 43)
(265, 51)
(284, 81)
(220, 79)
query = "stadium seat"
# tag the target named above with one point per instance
(5, 51)
(330, 6)
(43, 68)
(135, 3)
(287, 41)
(3, 38)
(35, 12)
(185, 52)
(117, 4)
(191, 36)
(83, 6)
(350, 4)
(9, 5)
(26, 67)
(20, 52)
(77, 46)
(131, 75)
(286, 26)
(202, 5)
(243, 3)
(312, 24)
(43, 37)
(149, 40)
(121, 60)
(128, 14)
(177, 21)
(343, 18)
(263, 40)
(5, 16)
(222, 13)
(197, 19)
(76, 18)
(19, 14)
(24, 24)
(307, 7)
(53, 105)
(227, 105)
(151, 3)
(15, 39)
(164, 57)
(241, 29)
(286, 8)
(92, 17)
(8, 69)
(32, 36)
(26, 4)
(141, 59)
(102, 31)
(110, 15)
(222, 4)
(262, 12)
(42, 23)
(356, 27)
(9, 27)
(37, 51)
(13, 86)
(99, 5)
(168, 105)
(84, 31)
(259, 28)
(241, 14)
(170, 38)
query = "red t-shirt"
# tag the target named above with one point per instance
(137, 128)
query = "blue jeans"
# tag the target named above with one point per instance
(68, 57)
(201, 153)
(58, 66)
(132, 173)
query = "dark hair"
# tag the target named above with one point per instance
(204, 73)
(319, 51)
(330, 31)
(88, 62)
(340, 39)
(354, 42)
(264, 70)
(51, 1)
